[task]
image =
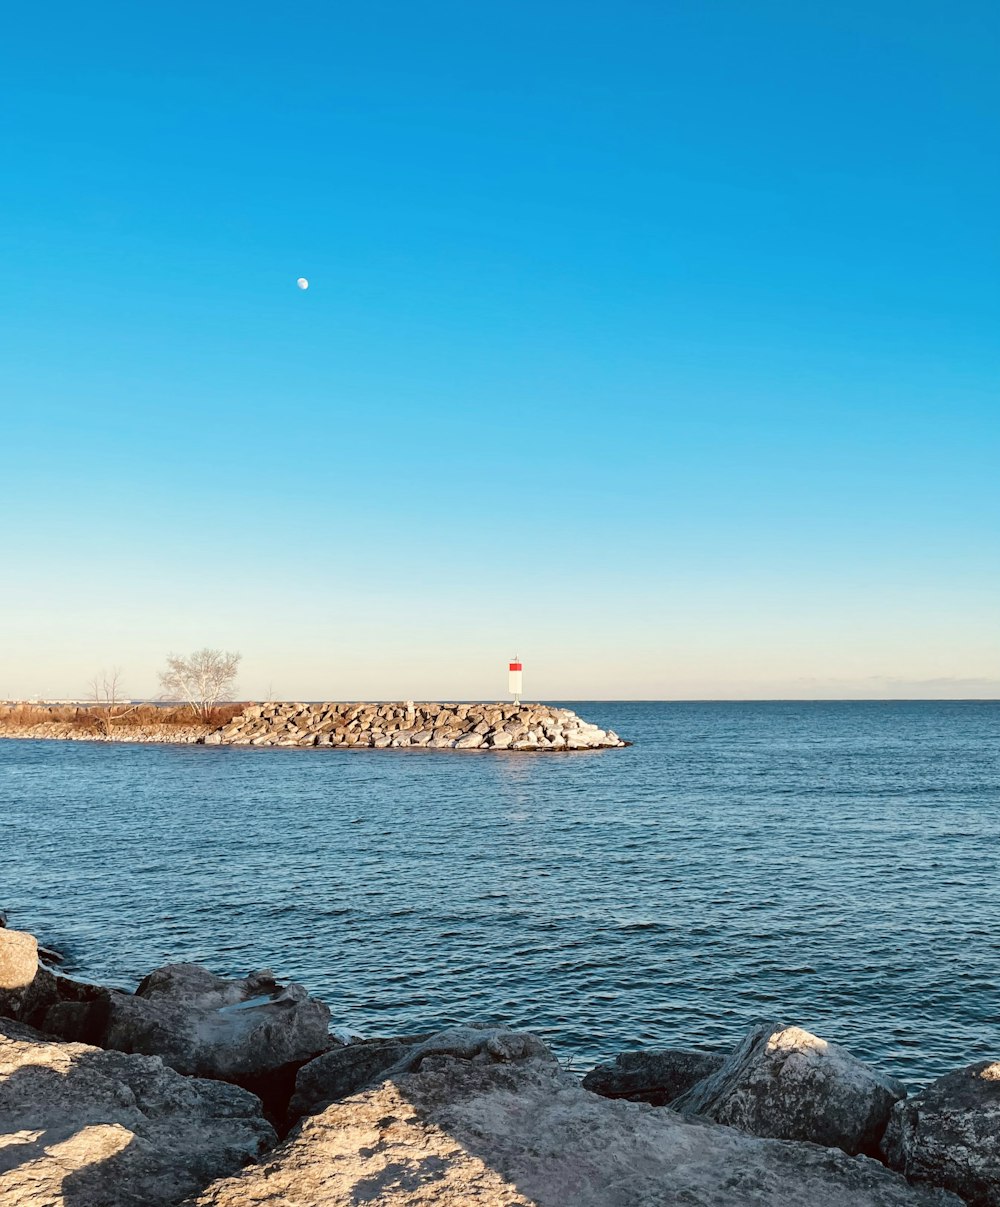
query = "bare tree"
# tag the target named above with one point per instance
(109, 704)
(203, 679)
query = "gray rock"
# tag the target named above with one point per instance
(493, 1123)
(787, 1083)
(949, 1134)
(470, 741)
(29, 991)
(343, 1071)
(32, 1002)
(208, 1026)
(585, 739)
(483, 1044)
(653, 1077)
(84, 1128)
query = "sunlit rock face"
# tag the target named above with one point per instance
(18, 960)
(786, 1083)
(80, 1127)
(493, 1120)
(58, 1005)
(949, 1134)
(343, 1071)
(27, 988)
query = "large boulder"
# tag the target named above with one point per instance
(18, 965)
(653, 1077)
(84, 1128)
(502, 1125)
(344, 1070)
(208, 1026)
(786, 1083)
(949, 1134)
(33, 994)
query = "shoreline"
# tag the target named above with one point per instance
(196, 1090)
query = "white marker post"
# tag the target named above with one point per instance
(514, 680)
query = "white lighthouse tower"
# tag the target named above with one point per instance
(514, 679)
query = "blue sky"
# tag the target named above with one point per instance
(656, 342)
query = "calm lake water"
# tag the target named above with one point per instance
(829, 864)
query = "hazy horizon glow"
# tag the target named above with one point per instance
(656, 344)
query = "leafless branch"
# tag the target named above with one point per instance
(202, 680)
(109, 704)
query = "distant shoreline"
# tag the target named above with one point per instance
(125, 722)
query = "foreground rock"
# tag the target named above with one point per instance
(251, 1031)
(495, 1121)
(84, 1128)
(342, 1071)
(429, 726)
(787, 1083)
(653, 1077)
(208, 1026)
(467, 1115)
(949, 1134)
(18, 961)
(28, 990)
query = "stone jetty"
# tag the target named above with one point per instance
(197, 1090)
(414, 726)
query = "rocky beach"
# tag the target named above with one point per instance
(399, 726)
(197, 1089)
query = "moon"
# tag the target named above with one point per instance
(302, 283)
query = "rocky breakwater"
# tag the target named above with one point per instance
(414, 726)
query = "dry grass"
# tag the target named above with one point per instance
(93, 717)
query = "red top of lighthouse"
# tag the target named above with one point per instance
(515, 666)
